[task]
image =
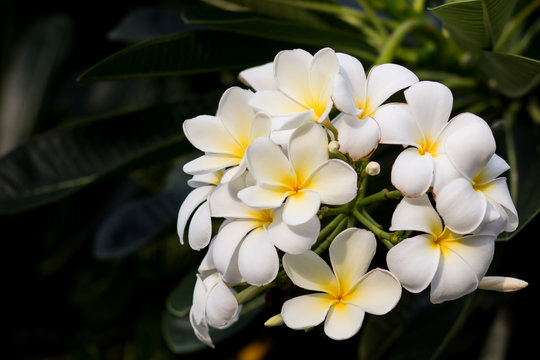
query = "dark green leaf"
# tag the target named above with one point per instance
(465, 22)
(184, 53)
(513, 75)
(55, 164)
(180, 299)
(284, 31)
(497, 13)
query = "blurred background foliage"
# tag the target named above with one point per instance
(92, 99)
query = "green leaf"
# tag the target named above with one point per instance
(180, 299)
(465, 22)
(284, 31)
(183, 53)
(55, 164)
(181, 339)
(512, 75)
(497, 13)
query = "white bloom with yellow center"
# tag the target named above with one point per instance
(304, 87)
(423, 125)
(359, 98)
(245, 246)
(224, 138)
(452, 263)
(196, 207)
(344, 295)
(303, 180)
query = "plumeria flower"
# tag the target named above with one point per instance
(359, 98)
(214, 303)
(468, 196)
(260, 77)
(423, 125)
(196, 207)
(245, 246)
(452, 263)
(304, 88)
(344, 295)
(224, 138)
(303, 180)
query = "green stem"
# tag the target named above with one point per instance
(384, 194)
(324, 245)
(387, 53)
(385, 237)
(252, 292)
(327, 124)
(418, 6)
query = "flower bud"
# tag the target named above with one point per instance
(333, 147)
(275, 320)
(373, 168)
(501, 283)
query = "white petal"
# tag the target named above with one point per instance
(306, 311)
(358, 138)
(227, 240)
(501, 283)
(335, 181)
(259, 197)
(212, 178)
(495, 167)
(301, 207)
(201, 330)
(377, 292)
(293, 239)
(354, 74)
(267, 163)
(460, 206)
(430, 104)
(221, 306)
(444, 172)
(224, 203)
(200, 227)
(412, 173)
(470, 148)
(476, 250)
(308, 148)
(454, 278)
(497, 191)
(416, 214)
(291, 122)
(208, 134)
(235, 113)
(386, 79)
(198, 308)
(309, 271)
(292, 71)
(276, 103)
(350, 254)
(191, 202)
(258, 259)
(259, 77)
(414, 262)
(343, 321)
(261, 126)
(323, 67)
(343, 95)
(210, 163)
(397, 125)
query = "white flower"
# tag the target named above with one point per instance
(260, 77)
(305, 87)
(303, 180)
(475, 190)
(502, 283)
(224, 138)
(344, 295)
(245, 246)
(214, 303)
(196, 207)
(452, 263)
(359, 98)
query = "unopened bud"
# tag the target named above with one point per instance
(275, 320)
(373, 168)
(501, 283)
(333, 147)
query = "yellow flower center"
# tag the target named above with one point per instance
(428, 145)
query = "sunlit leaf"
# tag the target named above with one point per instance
(184, 53)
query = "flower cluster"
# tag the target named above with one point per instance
(285, 169)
